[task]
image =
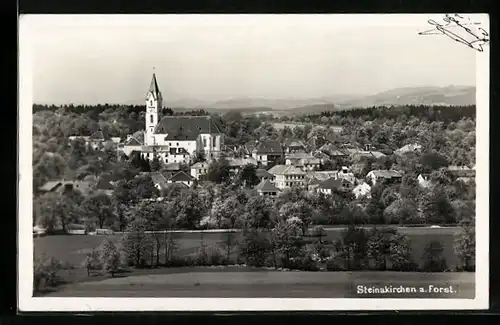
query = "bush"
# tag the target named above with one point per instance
(333, 265)
(434, 261)
(110, 258)
(207, 256)
(92, 261)
(45, 272)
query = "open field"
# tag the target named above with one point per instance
(231, 282)
(72, 248)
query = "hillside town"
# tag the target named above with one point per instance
(186, 146)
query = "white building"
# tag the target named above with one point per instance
(176, 139)
(287, 176)
(199, 169)
(362, 190)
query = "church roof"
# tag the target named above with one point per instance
(153, 88)
(186, 127)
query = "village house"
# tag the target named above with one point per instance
(294, 146)
(424, 180)
(313, 183)
(268, 152)
(287, 176)
(411, 147)
(99, 140)
(159, 180)
(322, 175)
(333, 151)
(462, 173)
(321, 156)
(362, 190)
(199, 169)
(267, 188)
(61, 186)
(263, 174)
(302, 160)
(181, 178)
(375, 176)
(177, 139)
(330, 185)
(236, 164)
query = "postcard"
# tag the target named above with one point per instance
(253, 162)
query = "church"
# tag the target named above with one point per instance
(175, 139)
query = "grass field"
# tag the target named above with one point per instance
(230, 282)
(72, 248)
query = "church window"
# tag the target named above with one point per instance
(151, 118)
(204, 142)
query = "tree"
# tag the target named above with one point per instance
(54, 210)
(155, 164)
(352, 246)
(434, 261)
(226, 213)
(300, 210)
(247, 176)
(98, 211)
(218, 171)
(465, 239)
(142, 187)
(136, 244)
(402, 211)
(92, 261)
(110, 258)
(190, 210)
(437, 207)
(319, 232)
(255, 247)
(258, 213)
(287, 240)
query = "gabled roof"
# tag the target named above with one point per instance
(408, 148)
(200, 165)
(181, 177)
(315, 181)
(172, 167)
(263, 173)
(240, 162)
(269, 147)
(331, 184)
(186, 127)
(50, 185)
(323, 175)
(158, 178)
(133, 142)
(285, 170)
(385, 173)
(154, 89)
(266, 186)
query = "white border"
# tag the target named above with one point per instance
(25, 242)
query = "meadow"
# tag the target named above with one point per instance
(72, 248)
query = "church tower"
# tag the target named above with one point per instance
(153, 108)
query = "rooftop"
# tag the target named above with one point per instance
(266, 186)
(186, 127)
(386, 173)
(269, 147)
(285, 170)
(181, 177)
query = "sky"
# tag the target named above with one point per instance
(110, 59)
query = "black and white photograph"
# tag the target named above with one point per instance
(253, 162)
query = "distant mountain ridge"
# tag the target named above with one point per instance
(447, 96)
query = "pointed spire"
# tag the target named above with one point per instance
(153, 87)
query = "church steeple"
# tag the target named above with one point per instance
(153, 88)
(153, 109)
